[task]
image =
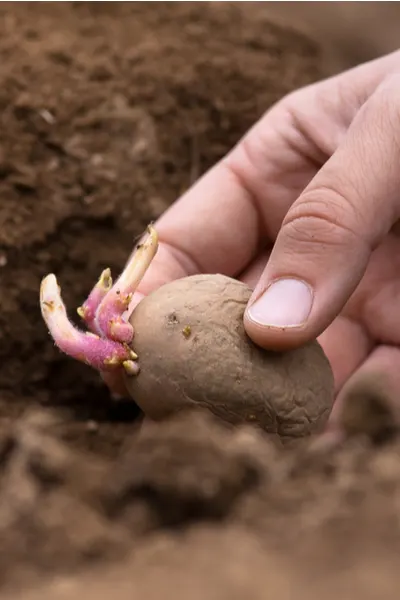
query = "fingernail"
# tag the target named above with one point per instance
(286, 303)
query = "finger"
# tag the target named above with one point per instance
(251, 275)
(346, 345)
(327, 236)
(369, 401)
(375, 303)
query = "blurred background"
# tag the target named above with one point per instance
(350, 32)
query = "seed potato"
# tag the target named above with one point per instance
(194, 352)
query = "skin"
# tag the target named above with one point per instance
(310, 193)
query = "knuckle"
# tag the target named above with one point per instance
(384, 104)
(323, 217)
(391, 85)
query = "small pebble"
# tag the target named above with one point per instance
(47, 116)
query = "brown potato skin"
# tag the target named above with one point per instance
(194, 352)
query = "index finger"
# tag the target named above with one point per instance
(212, 228)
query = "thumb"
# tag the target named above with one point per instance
(326, 239)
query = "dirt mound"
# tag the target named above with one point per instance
(193, 508)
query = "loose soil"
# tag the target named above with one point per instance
(108, 112)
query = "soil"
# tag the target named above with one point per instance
(109, 111)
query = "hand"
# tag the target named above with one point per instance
(303, 209)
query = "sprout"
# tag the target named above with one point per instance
(106, 346)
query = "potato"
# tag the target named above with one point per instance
(194, 352)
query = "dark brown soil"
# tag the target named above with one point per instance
(108, 112)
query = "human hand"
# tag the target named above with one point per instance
(303, 209)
